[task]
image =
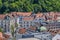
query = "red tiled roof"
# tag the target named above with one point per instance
(24, 13)
(14, 13)
(32, 28)
(22, 30)
(3, 38)
(6, 36)
(10, 15)
(39, 14)
(28, 18)
(2, 16)
(57, 14)
(1, 35)
(52, 15)
(21, 13)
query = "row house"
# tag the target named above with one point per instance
(30, 20)
(52, 16)
(6, 21)
(21, 13)
(57, 16)
(53, 26)
(49, 16)
(39, 17)
(4, 36)
(25, 21)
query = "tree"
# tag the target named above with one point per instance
(7, 6)
(42, 28)
(0, 4)
(12, 30)
(16, 25)
(1, 30)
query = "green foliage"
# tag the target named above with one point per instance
(16, 25)
(1, 30)
(12, 30)
(0, 4)
(29, 5)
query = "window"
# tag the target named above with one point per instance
(24, 22)
(20, 25)
(20, 22)
(27, 25)
(5, 28)
(39, 19)
(45, 39)
(31, 22)
(24, 25)
(30, 25)
(27, 22)
(20, 18)
(8, 29)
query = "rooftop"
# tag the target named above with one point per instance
(53, 15)
(28, 18)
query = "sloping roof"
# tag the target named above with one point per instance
(22, 30)
(21, 13)
(28, 18)
(24, 13)
(39, 14)
(2, 16)
(1, 35)
(58, 13)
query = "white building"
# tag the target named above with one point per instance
(25, 21)
(57, 37)
(6, 23)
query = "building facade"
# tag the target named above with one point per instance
(6, 23)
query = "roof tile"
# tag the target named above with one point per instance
(28, 18)
(39, 15)
(24, 13)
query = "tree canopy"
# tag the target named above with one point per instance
(7, 6)
(1, 30)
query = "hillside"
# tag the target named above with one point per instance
(7, 6)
